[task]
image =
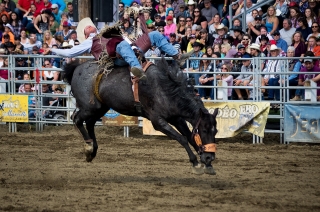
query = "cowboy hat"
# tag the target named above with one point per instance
(221, 26)
(255, 46)
(65, 45)
(198, 44)
(274, 47)
(238, 29)
(191, 2)
(80, 28)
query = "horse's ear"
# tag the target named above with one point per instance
(215, 113)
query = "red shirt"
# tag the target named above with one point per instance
(25, 4)
(4, 74)
(40, 6)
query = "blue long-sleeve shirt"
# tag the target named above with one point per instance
(296, 69)
(282, 44)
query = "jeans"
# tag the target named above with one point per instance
(274, 92)
(157, 39)
(203, 91)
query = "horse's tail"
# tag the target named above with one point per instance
(68, 71)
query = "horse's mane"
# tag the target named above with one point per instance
(174, 82)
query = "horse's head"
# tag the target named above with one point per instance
(204, 134)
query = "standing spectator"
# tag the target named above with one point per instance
(209, 12)
(53, 24)
(303, 28)
(16, 24)
(170, 27)
(298, 44)
(282, 44)
(22, 7)
(56, 12)
(286, 33)
(199, 19)
(41, 23)
(121, 11)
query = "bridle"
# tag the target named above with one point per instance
(195, 135)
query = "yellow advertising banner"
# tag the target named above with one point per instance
(14, 108)
(113, 118)
(232, 118)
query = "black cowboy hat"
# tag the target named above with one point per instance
(264, 37)
(198, 44)
(238, 29)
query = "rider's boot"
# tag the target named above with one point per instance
(138, 72)
(182, 58)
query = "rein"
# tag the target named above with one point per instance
(202, 148)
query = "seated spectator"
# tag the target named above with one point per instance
(245, 44)
(73, 37)
(315, 30)
(263, 44)
(32, 42)
(28, 17)
(21, 87)
(194, 64)
(153, 52)
(53, 24)
(161, 12)
(312, 43)
(308, 67)
(294, 15)
(303, 28)
(4, 73)
(274, 67)
(8, 31)
(76, 42)
(56, 12)
(65, 32)
(221, 32)
(31, 100)
(254, 28)
(310, 16)
(20, 62)
(224, 49)
(173, 42)
(282, 6)
(298, 44)
(16, 24)
(50, 75)
(282, 44)
(286, 33)
(199, 19)
(192, 40)
(185, 40)
(216, 48)
(208, 12)
(23, 37)
(170, 27)
(48, 39)
(236, 64)
(245, 77)
(181, 28)
(263, 32)
(158, 22)
(206, 38)
(10, 48)
(9, 6)
(272, 22)
(189, 22)
(180, 13)
(5, 41)
(206, 79)
(254, 82)
(238, 34)
(64, 18)
(209, 51)
(19, 48)
(127, 28)
(61, 4)
(215, 24)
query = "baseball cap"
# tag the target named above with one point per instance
(66, 24)
(241, 46)
(169, 17)
(276, 32)
(54, 6)
(308, 59)
(258, 17)
(173, 35)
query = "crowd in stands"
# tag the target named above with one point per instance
(31, 28)
(287, 28)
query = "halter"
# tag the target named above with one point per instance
(202, 148)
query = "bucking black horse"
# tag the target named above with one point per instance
(165, 99)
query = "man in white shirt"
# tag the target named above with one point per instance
(248, 6)
(287, 31)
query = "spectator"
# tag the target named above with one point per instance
(310, 16)
(315, 30)
(158, 21)
(60, 3)
(22, 7)
(72, 37)
(3, 10)
(16, 24)
(4, 73)
(189, 11)
(28, 17)
(263, 44)
(10, 48)
(272, 22)
(4, 19)
(238, 34)
(8, 30)
(225, 76)
(9, 6)
(19, 47)
(215, 24)
(263, 31)
(282, 6)
(209, 51)
(217, 48)
(303, 28)
(254, 82)
(120, 14)
(174, 43)
(153, 10)
(185, 40)
(64, 18)
(5, 41)
(20, 63)
(53, 24)
(194, 64)
(246, 41)
(41, 23)
(225, 47)
(237, 64)
(48, 39)
(303, 5)
(153, 52)
(206, 38)
(23, 37)
(170, 27)
(312, 43)
(249, 5)
(254, 27)
(199, 19)
(313, 6)
(50, 75)
(294, 16)
(221, 32)
(181, 28)
(21, 87)
(65, 32)
(299, 45)
(209, 12)
(56, 12)
(286, 33)
(274, 67)
(182, 9)
(127, 27)
(206, 79)
(308, 67)
(176, 4)
(245, 77)
(162, 12)
(47, 4)
(150, 26)
(282, 44)
(31, 100)
(32, 42)
(192, 40)
(39, 7)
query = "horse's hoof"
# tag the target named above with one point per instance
(209, 170)
(88, 150)
(197, 169)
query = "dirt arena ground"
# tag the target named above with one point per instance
(47, 172)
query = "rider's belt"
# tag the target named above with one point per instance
(105, 45)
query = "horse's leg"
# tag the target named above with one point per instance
(181, 125)
(163, 126)
(90, 123)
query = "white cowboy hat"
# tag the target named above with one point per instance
(191, 2)
(80, 28)
(255, 46)
(9, 26)
(66, 45)
(222, 26)
(274, 47)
